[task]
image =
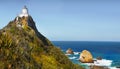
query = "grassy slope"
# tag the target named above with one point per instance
(22, 49)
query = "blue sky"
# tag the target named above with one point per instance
(69, 20)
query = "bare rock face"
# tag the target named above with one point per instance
(86, 57)
(25, 22)
(69, 51)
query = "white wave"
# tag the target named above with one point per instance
(76, 53)
(113, 68)
(72, 57)
(89, 64)
(103, 62)
(67, 54)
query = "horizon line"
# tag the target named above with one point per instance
(82, 41)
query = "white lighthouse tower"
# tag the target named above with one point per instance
(24, 12)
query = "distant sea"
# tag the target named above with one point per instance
(107, 50)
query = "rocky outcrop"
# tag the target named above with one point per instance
(23, 47)
(86, 57)
(24, 22)
(69, 51)
(99, 58)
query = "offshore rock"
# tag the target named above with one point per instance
(86, 57)
(69, 51)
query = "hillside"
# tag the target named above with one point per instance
(23, 47)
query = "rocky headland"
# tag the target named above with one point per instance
(23, 47)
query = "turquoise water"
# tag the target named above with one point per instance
(106, 50)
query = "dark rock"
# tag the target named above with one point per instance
(118, 67)
(99, 58)
(69, 51)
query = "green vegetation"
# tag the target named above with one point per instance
(21, 48)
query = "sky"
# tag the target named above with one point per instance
(68, 20)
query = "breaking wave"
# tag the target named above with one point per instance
(72, 57)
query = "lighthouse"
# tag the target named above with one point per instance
(24, 12)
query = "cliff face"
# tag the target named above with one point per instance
(23, 47)
(24, 22)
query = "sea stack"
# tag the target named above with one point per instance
(86, 57)
(69, 51)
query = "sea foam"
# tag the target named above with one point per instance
(113, 68)
(72, 57)
(76, 53)
(67, 54)
(103, 62)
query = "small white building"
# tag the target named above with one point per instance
(24, 12)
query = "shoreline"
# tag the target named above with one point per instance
(107, 63)
(106, 50)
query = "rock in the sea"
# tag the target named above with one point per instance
(69, 51)
(118, 67)
(86, 57)
(99, 58)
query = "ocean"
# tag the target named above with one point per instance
(109, 51)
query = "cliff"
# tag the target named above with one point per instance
(23, 47)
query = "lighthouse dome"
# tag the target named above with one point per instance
(24, 12)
